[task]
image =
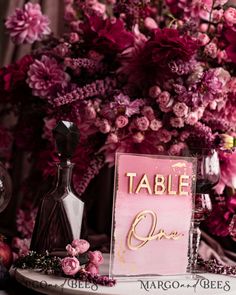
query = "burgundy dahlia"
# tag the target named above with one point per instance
(28, 24)
(45, 74)
(167, 45)
(107, 36)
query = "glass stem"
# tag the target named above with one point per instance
(195, 235)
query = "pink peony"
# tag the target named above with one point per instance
(81, 246)
(44, 74)
(142, 123)
(230, 16)
(70, 266)
(95, 257)
(71, 250)
(180, 109)
(92, 268)
(121, 121)
(28, 25)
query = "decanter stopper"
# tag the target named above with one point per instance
(66, 135)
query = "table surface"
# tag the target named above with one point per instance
(184, 285)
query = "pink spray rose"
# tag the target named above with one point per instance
(177, 122)
(95, 257)
(180, 109)
(28, 25)
(164, 98)
(154, 91)
(155, 125)
(142, 123)
(70, 266)
(71, 250)
(121, 121)
(92, 268)
(81, 246)
(192, 118)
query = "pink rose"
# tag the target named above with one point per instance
(155, 125)
(154, 91)
(230, 16)
(95, 257)
(92, 268)
(138, 137)
(164, 98)
(70, 266)
(142, 123)
(177, 122)
(180, 109)
(81, 246)
(121, 121)
(71, 250)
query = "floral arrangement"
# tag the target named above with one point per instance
(135, 76)
(79, 264)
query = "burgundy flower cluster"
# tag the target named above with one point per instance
(135, 76)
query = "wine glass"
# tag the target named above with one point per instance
(208, 174)
(202, 208)
(5, 188)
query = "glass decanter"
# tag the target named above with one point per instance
(59, 218)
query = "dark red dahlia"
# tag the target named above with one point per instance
(107, 36)
(167, 45)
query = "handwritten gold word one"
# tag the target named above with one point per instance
(161, 234)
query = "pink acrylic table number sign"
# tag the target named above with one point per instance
(152, 211)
